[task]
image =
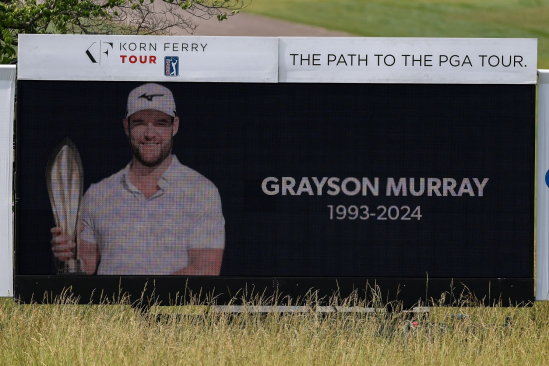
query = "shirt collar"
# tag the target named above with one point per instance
(171, 172)
(164, 180)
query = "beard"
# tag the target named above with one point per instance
(151, 158)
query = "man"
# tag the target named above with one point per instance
(156, 216)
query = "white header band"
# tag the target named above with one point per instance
(287, 60)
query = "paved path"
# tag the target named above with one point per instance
(254, 25)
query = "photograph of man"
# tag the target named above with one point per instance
(155, 216)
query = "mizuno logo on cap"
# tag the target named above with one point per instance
(150, 97)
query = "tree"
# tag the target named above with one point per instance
(150, 17)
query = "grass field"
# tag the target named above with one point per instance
(117, 335)
(420, 18)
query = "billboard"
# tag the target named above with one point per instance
(286, 185)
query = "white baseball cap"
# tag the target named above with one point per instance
(151, 96)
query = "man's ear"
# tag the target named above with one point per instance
(126, 129)
(175, 126)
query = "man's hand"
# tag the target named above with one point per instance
(62, 245)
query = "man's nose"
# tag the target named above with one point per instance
(150, 130)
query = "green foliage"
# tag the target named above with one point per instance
(38, 17)
(103, 17)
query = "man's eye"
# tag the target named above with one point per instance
(162, 124)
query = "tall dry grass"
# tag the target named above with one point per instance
(63, 333)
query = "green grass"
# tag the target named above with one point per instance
(420, 18)
(66, 334)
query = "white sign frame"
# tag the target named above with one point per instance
(542, 201)
(7, 104)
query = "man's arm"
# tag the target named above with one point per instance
(202, 262)
(89, 254)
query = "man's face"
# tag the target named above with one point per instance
(151, 135)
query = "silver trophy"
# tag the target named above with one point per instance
(65, 181)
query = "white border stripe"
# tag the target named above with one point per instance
(542, 250)
(7, 99)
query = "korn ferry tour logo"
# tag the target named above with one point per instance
(171, 66)
(97, 49)
(138, 53)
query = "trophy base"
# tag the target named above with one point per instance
(70, 267)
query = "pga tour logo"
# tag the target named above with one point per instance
(171, 66)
